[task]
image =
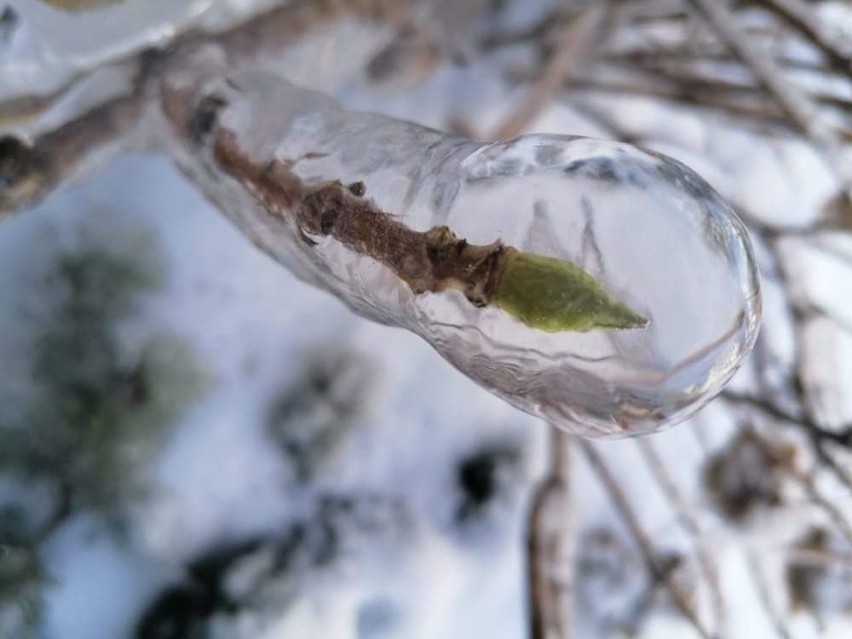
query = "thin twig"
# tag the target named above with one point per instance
(795, 102)
(840, 472)
(690, 522)
(807, 481)
(688, 54)
(800, 109)
(30, 171)
(550, 548)
(775, 618)
(650, 10)
(692, 78)
(646, 548)
(842, 436)
(747, 107)
(804, 419)
(803, 18)
(573, 50)
(540, 31)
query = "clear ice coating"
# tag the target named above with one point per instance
(56, 40)
(643, 225)
(656, 235)
(83, 29)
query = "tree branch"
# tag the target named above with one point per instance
(31, 171)
(646, 548)
(550, 548)
(690, 522)
(430, 261)
(576, 44)
(803, 18)
(775, 617)
(795, 102)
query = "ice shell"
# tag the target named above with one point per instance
(649, 229)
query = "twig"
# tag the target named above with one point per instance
(646, 548)
(841, 437)
(428, 261)
(806, 480)
(840, 473)
(550, 549)
(833, 513)
(747, 106)
(818, 436)
(30, 172)
(650, 10)
(827, 248)
(689, 54)
(800, 109)
(795, 102)
(573, 49)
(25, 107)
(777, 620)
(540, 31)
(690, 78)
(690, 522)
(803, 18)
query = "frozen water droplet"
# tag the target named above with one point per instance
(665, 265)
(654, 234)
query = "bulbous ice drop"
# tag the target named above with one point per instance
(660, 238)
(663, 259)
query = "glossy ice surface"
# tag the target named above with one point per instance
(106, 25)
(645, 226)
(656, 235)
(45, 44)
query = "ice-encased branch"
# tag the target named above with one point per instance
(212, 122)
(551, 547)
(393, 219)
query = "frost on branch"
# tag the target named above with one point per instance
(414, 228)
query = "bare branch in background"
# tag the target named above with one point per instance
(626, 510)
(795, 102)
(803, 17)
(688, 519)
(550, 547)
(775, 616)
(30, 171)
(575, 46)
